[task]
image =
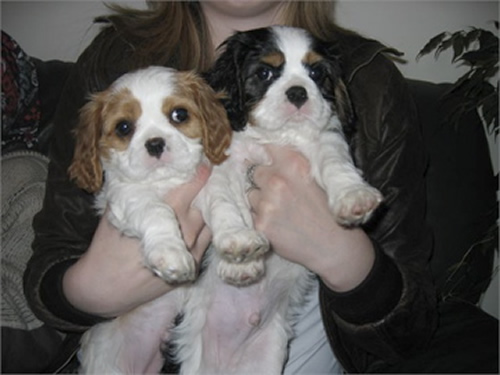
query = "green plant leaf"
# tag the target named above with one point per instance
(458, 46)
(475, 57)
(487, 38)
(473, 89)
(432, 44)
(443, 46)
(472, 36)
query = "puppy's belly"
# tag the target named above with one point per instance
(243, 331)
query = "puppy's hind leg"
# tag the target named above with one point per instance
(131, 343)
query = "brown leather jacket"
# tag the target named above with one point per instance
(390, 316)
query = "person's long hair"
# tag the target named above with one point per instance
(177, 30)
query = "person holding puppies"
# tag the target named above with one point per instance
(373, 307)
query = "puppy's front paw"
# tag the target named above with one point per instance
(241, 246)
(355, 205)
(241, 274)
(174, 265)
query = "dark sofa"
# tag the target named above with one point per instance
(462, 205)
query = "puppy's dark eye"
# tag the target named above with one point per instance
(316, 73)
(123, 128)
(265, 73)
(179, 115)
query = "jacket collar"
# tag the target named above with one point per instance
(358, 52)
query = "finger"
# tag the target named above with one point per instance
(251, 178)
(297, 165)
(191, 226)
(200, 179)
(276, 152)
(189, 190)
(254, 197)
(201, 244)
(203, 172)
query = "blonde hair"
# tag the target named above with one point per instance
(176, 32)
(167, 32)
(317, 17)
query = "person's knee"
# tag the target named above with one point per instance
(20, 170)
(23, 185)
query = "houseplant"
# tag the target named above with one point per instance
(478, 88)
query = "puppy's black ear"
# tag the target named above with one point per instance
(338, 88)
(226, 77)
(345, 110)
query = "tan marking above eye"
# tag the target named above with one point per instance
(275, 59)
(312, 58)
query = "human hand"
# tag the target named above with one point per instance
(292, 211)
(111, 279)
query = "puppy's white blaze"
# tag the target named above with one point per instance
(294, 44)
(150, 90)
(154, 82)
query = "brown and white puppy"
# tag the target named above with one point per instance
(137, 140)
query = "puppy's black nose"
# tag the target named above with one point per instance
(297, 95)
(155, 146)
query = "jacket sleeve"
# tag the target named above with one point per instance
(392, 314)
(66, 224)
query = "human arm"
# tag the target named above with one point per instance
(110, 277)
(287, 190)
(388, 148)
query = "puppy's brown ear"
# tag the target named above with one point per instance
(86, 169)
(216, 132)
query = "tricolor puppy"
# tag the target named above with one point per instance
(137, 140)
(283, 87)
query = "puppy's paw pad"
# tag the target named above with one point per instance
(242, 246)
(172, 265)
(356, 205)
(241, 274)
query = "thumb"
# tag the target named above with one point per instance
(200, 179)
(190, 189)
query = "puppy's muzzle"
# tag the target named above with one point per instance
(155, 146)
(297, 95)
